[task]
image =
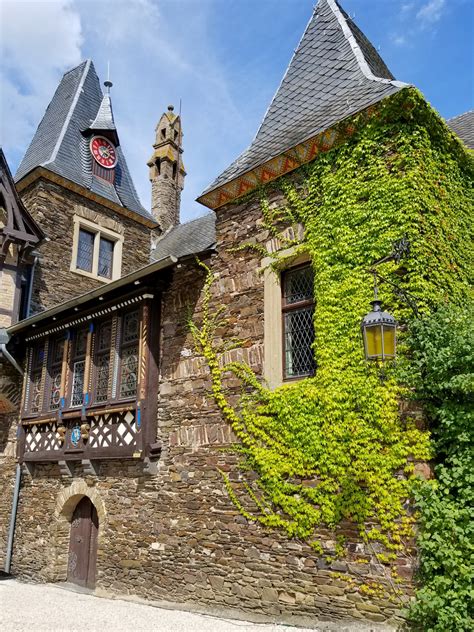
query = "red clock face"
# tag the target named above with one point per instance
(104, 152)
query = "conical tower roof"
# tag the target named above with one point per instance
(334, 73)
(61, 143)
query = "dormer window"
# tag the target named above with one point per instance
(97, 251)
(163, 134)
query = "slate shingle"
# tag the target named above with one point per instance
(463, 126)
(334, 73)
(59, 145)
(190, 238)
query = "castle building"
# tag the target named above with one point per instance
(112, 446)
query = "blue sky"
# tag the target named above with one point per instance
(223, 58)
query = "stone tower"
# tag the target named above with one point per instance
(167, 171)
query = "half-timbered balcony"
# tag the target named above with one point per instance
(90, 384)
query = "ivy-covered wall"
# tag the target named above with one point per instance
(335, 449)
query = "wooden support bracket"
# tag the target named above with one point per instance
(91, 468)
(66, 468)
(29, 468)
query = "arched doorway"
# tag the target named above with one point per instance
(83, 544)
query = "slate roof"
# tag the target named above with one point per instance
(463, 126)
(334, 73)
(190, 238)
(59, 144)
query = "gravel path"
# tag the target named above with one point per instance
(49, 608)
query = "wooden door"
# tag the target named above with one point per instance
(83, 544)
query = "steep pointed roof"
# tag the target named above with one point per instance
(60, 145)
(463, 126)
(334, 73)
(104, 121)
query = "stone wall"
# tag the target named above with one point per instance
(54, 208)
(176, 536)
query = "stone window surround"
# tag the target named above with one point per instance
(273, 326)
(99, 230)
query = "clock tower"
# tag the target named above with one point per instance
(103, 139)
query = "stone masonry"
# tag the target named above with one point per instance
(176, 536)
(53, 208)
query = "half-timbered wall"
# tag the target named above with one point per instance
(85, 391)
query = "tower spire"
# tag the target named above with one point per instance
(167, 171)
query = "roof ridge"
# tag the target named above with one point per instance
(356, 49)
(72, 107)
(459, 115)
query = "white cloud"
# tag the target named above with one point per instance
(431, 12)
(407, 7)
(39, 40)
(399, 40)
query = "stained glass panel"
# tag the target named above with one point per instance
(58, 351)
(35, 391)
(129, 372)
(55, 382)
(81, 343)
(38, 357)
(104, 336)
(78, 383)
(106, 253)
(85, 250)
(102, 378)
(130, 327)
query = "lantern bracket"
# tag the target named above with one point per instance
(400, 250)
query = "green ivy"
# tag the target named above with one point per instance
(441, 373)
(334, 448)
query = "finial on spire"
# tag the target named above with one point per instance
(170, 108)
(108, 84)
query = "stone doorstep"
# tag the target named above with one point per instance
(348, 625)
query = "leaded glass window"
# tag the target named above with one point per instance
(85, 250)
(106, 255)
(129, 372)
(35, 383)
(298, 328)
(102, 361)
(114, 366)
(78, 367)
(55, 372)
(129, 354)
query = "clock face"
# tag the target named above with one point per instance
(104, 152)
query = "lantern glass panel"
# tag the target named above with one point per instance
(373, 337)
(389, 341)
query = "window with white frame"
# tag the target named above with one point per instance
(97, 251)
(288, 319)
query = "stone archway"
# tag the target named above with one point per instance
(66, 503)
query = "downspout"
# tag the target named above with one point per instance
(16, 490)
(30, 286)
(10, 358)
(11, 532)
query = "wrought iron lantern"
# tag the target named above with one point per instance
(379, 333)
(379, 328)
